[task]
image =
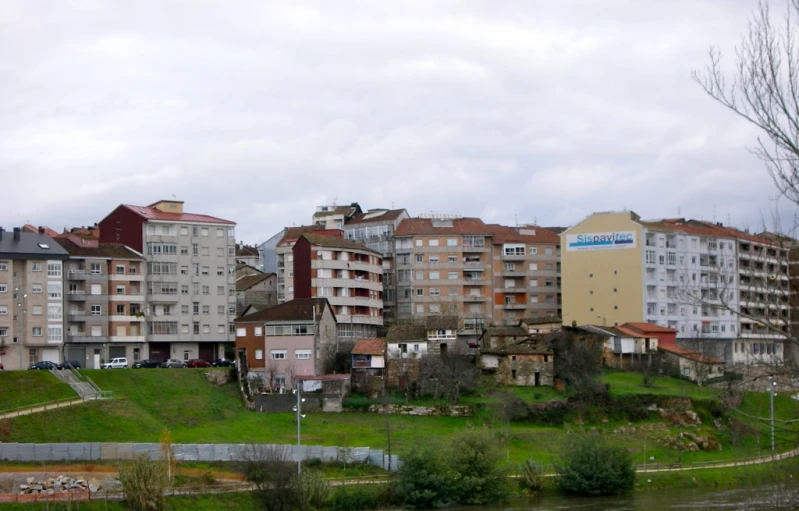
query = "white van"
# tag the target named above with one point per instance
(116, 363)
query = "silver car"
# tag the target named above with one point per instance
(173, 362)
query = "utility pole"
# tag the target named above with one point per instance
(298, 410)
(772, 388)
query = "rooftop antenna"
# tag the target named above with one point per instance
(729, 219)
(335, 199)
(173, 196)
(679, 212)
(516, 219)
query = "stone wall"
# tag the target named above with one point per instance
(314, 402)
(423, 411)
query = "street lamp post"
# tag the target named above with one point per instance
(20, 321)
(772, 389)
(300, 415)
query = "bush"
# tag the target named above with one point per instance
(425, 478)
(313, 490)
(359, 497)
(143, 483)
(533, 475)
(589, 465)
(476, 460)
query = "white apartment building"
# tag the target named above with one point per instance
(190, 288)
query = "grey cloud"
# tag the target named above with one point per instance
(259, 111)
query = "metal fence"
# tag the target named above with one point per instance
(110, 451)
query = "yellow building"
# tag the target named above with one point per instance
(602, 261)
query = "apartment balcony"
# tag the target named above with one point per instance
(83, 337)
(514, 306)
(127, 338)
(126, 298)
(77, 316)
(474, 298)
(126, 277)
(515, 257)
(86, 275)
(127, 319)
(540, 305)
(468, 249)
(544, 273)
(76, 296)
(515, 274)
(161, 298)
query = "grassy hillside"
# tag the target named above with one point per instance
(147, 401)
(22, 388)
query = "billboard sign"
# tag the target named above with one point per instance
(600, 241)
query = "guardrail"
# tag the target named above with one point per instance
(46, 405)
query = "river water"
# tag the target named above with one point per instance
(764, 498)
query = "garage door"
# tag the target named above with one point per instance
(207, 352)
(77, 353)
(116, 352)
(50, 354)
(160, 351)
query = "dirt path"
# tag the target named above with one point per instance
(38, 409)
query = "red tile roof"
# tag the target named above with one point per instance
(322, 240)
(425, 227)
(629, 332)
(690, 354)
(504, 234)
(376, 215)
(33, 228)
(650, 327)
(294, 233)
(150, 213)
(369, 347)
(98, 250)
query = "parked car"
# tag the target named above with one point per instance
(173, 362)
(222, 362)
(146, 363)
(74, 364)
(116, 363)
(44, 365)
(197, 362)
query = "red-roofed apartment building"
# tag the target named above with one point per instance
(485, 274)
(189, 277)
(721, 289)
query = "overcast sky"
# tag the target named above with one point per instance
(260, 111)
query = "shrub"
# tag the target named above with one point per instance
(313, 490)
(480, 477)
(361, 497)
(425, 478)
(533, 475)
(143, 483)
(589, 465)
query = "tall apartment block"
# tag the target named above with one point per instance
(189, 287)
(705, 280)
(105, 301)
(375, 229)
(31, 298)
(348, 274)
(526, 274)
(482, 274)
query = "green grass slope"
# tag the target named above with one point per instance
(23, 388)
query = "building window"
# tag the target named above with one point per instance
(54, 334)
(96, 310)
(259, 354)
(196, 327)
(278, 354)
(3, 310)
(206, 309)
(513, 250)
(432, 242)
(54, 269)
(650, 257)
(220, 309)
(302, 354)
(53, 313)
(419, 291)
(3, 288)
(184, 250)
(419, 258)
(36, 310)
(434, 275)
(206, 290)
(434, 291)
(95, 268)
(35, 266)
(435, 308)
(54, 289)
(36, 331)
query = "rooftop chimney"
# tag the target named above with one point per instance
(16, 233)
(41, 230)
(1, 233)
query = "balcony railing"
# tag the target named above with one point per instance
(76, 296)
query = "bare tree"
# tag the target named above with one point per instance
(764, 90)
(577, 360)
(272, 471)
(447, 376)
